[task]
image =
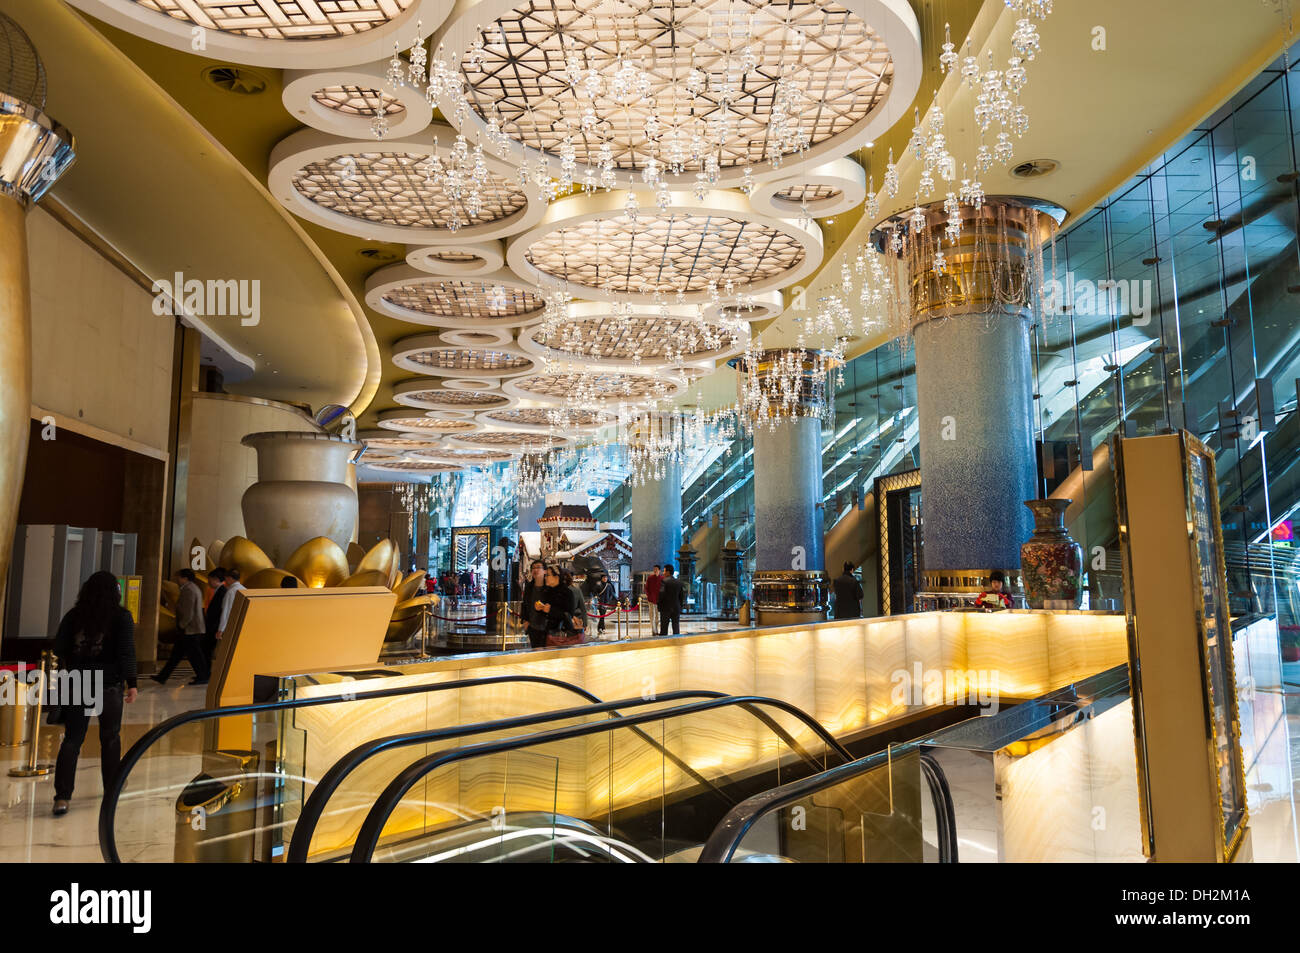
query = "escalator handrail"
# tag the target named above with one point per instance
(732, 829)
(945, 812)
(314, 807)
(372, 827)
(112, 794)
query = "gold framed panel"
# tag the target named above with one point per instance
(885, 485)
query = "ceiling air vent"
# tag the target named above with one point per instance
(1035, 168)
(236, 79)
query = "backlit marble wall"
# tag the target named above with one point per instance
(848, 675)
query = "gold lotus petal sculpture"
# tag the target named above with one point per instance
(270, 579)
(319, 562)
(356, 553)
(410, 587)
(214, 552)
(408, 616)
(245, 555)
(367, 577)
(381, 556)
(171, 594)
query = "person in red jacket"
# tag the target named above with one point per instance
(652, 584)
(992, 599)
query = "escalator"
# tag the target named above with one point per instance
(627, 781)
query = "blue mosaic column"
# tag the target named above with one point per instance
(657, 519)
(787, 496)
(790, 585)
(974, 387)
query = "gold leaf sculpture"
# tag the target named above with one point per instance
(270, 579)
(245, 555)
(410, 587)
(381, 556)
(367, 577)
(356, 553)
(319, 562)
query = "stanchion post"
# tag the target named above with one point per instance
(33, 769)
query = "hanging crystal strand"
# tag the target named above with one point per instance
(418, 56)
(948, 58)
(396, 75)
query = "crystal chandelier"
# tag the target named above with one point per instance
(692, 123)
(785, 384)
(999, 116)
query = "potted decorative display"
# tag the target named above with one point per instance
(1051, 562)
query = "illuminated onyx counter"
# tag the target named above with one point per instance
(849, 675)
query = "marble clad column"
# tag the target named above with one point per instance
(790, 584)
(657, 519)
(34, 152)
(975, 385)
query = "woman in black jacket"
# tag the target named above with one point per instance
(533, 618)
(96, 640)
(560, 605)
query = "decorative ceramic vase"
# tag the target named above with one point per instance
(1051, 561)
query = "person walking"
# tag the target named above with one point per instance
(189, 632)
(579, 609)
(233, 585)
(558, 604)
(606, 601)
(848, 595)
(672, 600)
(212, 614)
(652, 584)
(95, 639)
(530, 600)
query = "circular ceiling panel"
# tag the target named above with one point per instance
(387, 442)
(344, 102)
(414, 466)
(426, 394)
(510, 441)
(383, 191)
(644, 338)
(850, 69)
(595, 388)
(593, 247)
(826, 190)
(461, 260)
(403, 421)
(547, 419)
(428, 354)
(499, 300)
(463, 456)
(298, 34)
(760, 307)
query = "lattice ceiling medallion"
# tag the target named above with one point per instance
(434, 424)
(462, 456)
(511, 441)
(759, 307)
(715, 91)
(596, 388)
(427, 354)
(297, 34)
(427, 394)
(344, 102)
(559, 420)
(631, 337)
(409, 466)
(388, 442)
(388, 191)
(599, 247)
(499, 300)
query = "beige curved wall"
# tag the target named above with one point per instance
(220, 468)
